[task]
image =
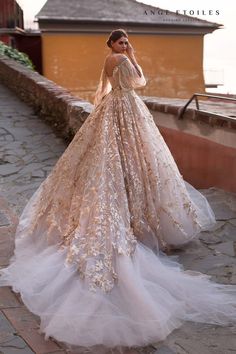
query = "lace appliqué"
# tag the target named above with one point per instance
(115, 184)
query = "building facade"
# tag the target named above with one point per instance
(12, 32)
(11, 21)
(168, 46)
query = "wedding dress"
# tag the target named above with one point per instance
(88, 247)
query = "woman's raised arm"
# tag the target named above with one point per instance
(130, 53)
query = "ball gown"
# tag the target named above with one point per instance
(89, 245)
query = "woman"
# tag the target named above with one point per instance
(87, 251)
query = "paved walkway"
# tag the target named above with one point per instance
(28, 151)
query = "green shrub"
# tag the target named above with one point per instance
(16, 55)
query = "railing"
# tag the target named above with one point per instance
(214, 78)
(195, 97)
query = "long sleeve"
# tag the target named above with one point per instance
(104, 87)
(129, 77)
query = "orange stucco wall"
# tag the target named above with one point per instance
(202, 163)
(172, 64)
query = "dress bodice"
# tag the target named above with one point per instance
(114, 79)
(124, 76)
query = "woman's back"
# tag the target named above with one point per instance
(112, 61)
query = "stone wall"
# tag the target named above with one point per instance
(65, 112)
(204, 147)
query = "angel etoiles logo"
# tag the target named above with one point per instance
(188, 12)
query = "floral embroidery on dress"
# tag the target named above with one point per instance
(115, 184)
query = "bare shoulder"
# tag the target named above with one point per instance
(120, 58)
(112, 61)
(115, 58)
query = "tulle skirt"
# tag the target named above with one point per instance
(152, 297)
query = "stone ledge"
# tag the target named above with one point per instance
(56, 105)
(174, 106)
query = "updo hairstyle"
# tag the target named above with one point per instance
(115, 35)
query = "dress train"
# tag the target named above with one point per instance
(88, 245)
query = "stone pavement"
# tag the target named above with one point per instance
(28, 151)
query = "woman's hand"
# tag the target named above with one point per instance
(130, 50)
(130, 53)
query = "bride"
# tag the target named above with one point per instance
(89, 247)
